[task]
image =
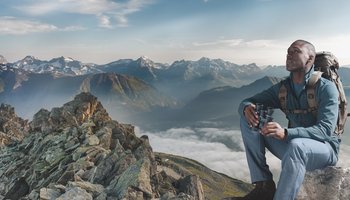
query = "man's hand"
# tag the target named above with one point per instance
(251, 115)
(273, 129)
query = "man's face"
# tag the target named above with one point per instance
(297, 57)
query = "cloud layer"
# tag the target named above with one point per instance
(108, 13)
(209, 146)
(11, 25)
(14, 26)
(206, 145)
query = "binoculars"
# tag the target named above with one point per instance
(265, 115)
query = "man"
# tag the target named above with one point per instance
(308, 143)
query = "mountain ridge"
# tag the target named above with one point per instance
(182, 80)
(222, 102)
(61, 66)
(122, 93)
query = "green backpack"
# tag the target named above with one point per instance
(326, 65)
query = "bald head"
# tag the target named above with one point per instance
(301, 56)
(310, 47)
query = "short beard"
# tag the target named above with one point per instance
(305, 69)
(298, 70)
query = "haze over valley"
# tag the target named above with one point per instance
(187, 108)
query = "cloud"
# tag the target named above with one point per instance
(11, 25)
(104, 10)
(241, 51)
(70, 6)
(337, 44)
(104, 21)
(72, 28)
(40, 8)
(207, 146)
(14, 26)
(265, 51)
(221, 42)
(237, 43)
(260, 43)
(122, 20)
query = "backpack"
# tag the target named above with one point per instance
(326, 65)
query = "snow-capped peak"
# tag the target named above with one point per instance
(2, 60)
(144, 58)
(144, 61)
(27, 58)
(64, 66)
(68, 59)
(204, 59)
(63, 59)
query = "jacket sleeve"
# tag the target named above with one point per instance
(327, 116)
(268, 97)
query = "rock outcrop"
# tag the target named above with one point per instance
(215, 185)
(78, 152)
(331, 183)
(12, 128)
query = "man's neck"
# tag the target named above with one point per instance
(299, 75)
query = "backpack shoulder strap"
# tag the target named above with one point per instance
(310, 91)
(282, 96)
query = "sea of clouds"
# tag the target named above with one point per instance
(219, 149)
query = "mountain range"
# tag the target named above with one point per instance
(123, 95)
(205, 92)
(185, 79)
(61, 66)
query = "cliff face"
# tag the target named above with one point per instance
(78, 152)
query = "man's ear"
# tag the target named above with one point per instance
(311, 59)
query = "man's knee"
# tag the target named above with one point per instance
(296, 150)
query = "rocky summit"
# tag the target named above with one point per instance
(78, 152)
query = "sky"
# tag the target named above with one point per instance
(239, 31)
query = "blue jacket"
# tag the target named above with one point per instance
(320, 127)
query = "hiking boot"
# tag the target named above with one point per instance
(264, 190)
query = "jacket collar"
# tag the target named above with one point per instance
(306, 77)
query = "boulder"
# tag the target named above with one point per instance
(331, 183)
(192, 185)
